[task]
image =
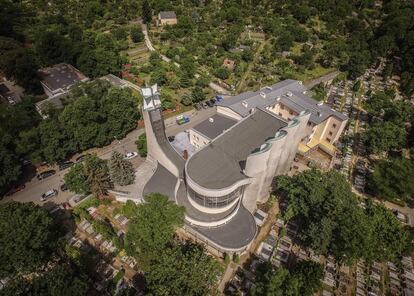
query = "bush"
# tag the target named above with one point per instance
(186, 100)
(222, 73)
(136, 35)
(236, 258)
(142, 145)
(226, 258)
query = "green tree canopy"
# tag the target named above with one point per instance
(182, 270)
(97, 175)
(385, 136)
(121, 170)
(76, 180)
(142, 145)
(61, 280)
(332, 221)
(136, 34)
(153, 226)
(146, 12)
(28, 238)
(303, 280)
(392, 180)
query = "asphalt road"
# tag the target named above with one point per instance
(35, 188)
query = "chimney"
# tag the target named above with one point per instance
(244, 103)
(263, 95)
(211, 119)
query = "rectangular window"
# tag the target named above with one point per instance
(330, 133)
(328, 139)
(291, 112)
(334, 125)
(282, 107)
(309, 123)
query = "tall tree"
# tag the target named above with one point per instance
(9, 163)
(28, 238)
(97, 175)
(61, 280)
(146, 12)
(153, 226)
(332, 221)
(384, 136)
(76, 180)
(303, 280)
(121, 170)
(393, 179)
(183, 270)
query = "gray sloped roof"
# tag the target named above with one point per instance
(167, 15)
(214, 126)
(237, 233)
(61, 76)
(220, 164)
(290, 93)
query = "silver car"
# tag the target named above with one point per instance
(48, 194)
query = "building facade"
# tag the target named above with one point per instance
(288, 99)
(222, 182)
(167, 18)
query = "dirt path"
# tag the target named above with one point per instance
(249, 68)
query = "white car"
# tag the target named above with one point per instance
(131, 155)
(48, 194)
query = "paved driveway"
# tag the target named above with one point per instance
(35, 188)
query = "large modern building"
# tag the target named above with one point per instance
(240, 150)
(288, 99)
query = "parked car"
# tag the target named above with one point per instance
(182, 119)
(205, 106)
(65, 165)
(80, 158)
(131, 155)
(219, 98)
(48, 194)
(63, 187)
(197, 106)
(45, 174)
(15, 190)
(213, 101)
(210, 104)
(171, 138)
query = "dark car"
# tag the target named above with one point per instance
(197, 106)
(65, 165)
(213, 101)
(63, 187)
(171, 138)
(45, 174)
(80, 158)
(15, 190)
(210, 104)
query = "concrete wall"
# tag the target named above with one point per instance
(228, 112)
(155, 152)
(299, 134)
(198, 140)
(289, 145)
(163, 22)
(255, 168)
(333, 130)
(283, 111)
(278, 143)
